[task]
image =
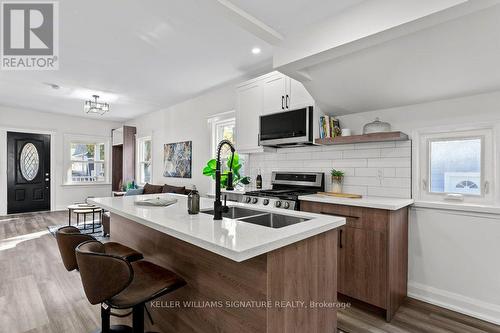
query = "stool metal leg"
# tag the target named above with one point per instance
(138, 318)
(93, 220)
(105, 322)
(77, 219)
(69, 217)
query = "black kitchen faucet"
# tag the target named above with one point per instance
(219, 208)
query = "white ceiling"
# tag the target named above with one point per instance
(138, 55)
(291, 16)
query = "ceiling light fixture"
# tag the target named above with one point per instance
(93, 106)
(256, 50)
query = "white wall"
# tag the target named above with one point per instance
(12, 119)
(453, 256)
(187, 121)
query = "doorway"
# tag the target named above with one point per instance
(28, 172)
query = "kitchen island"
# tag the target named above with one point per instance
(241, 277)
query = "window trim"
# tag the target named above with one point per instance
(140, 142)
(421, 181)
(86, 139)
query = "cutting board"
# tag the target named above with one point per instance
(342, 195)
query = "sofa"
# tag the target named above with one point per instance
(147, 189)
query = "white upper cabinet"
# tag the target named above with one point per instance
(270, 93)
(298, 96)
(275, 93)
(248, 111)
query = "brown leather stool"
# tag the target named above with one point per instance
(119, 284)
(68, 238)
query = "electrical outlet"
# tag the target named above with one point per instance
(380, 176)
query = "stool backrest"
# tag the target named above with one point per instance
(68, 238)
(103, 275)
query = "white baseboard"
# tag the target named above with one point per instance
(469, 306)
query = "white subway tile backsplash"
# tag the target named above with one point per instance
(319, 163)
(360, 181)
(350, 163)
(337, 147)
(403, 143)
(362, 190)
(367, 172)
(401, 162)
(361, 153)
(396, 182)
(403, 172)
(299, 156)
(374, 169)
(324, 155)
(395, 152)
(390, 192)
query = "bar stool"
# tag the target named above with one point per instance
(69, 237)
(119, 284)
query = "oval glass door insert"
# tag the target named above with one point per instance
(29, 161)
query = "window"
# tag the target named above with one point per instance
(224, 130)
(86, 159)
(223, 126)
(144, 160)
(457, 166)
(88, 162)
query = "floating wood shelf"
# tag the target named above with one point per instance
(373, 137)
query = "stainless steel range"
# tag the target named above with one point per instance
(286, 188)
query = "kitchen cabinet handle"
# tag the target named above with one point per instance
(340, 238)
(282, 102)
(286, 103)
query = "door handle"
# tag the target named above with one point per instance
(282, 102)
(47, 179)
(286, 103)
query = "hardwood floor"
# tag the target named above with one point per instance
(37, 295)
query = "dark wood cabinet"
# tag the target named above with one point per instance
(372, 255)
(123, 156)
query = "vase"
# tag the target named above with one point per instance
(337, 183)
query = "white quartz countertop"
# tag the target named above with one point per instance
(368, 202)
(230, 238)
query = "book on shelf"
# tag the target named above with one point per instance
(327, 126)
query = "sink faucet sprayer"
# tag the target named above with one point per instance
(218, 207)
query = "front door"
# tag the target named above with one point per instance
(28, 172)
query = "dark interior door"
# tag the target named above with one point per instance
(28, 172)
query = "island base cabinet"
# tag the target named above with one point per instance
(372, 254)
(258, 295)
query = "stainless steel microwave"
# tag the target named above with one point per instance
(287, 128)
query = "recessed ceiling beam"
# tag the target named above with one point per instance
(249, 23)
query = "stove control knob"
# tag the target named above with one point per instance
(255, 200)
(286, 205)
(277, 204)
(248, 199)
(266, 202)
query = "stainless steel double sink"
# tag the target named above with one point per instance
(270, 220)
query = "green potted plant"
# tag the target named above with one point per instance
(337, 180)
(238, 179)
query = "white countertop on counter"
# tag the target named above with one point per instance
(368, 202)
(232, 239)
